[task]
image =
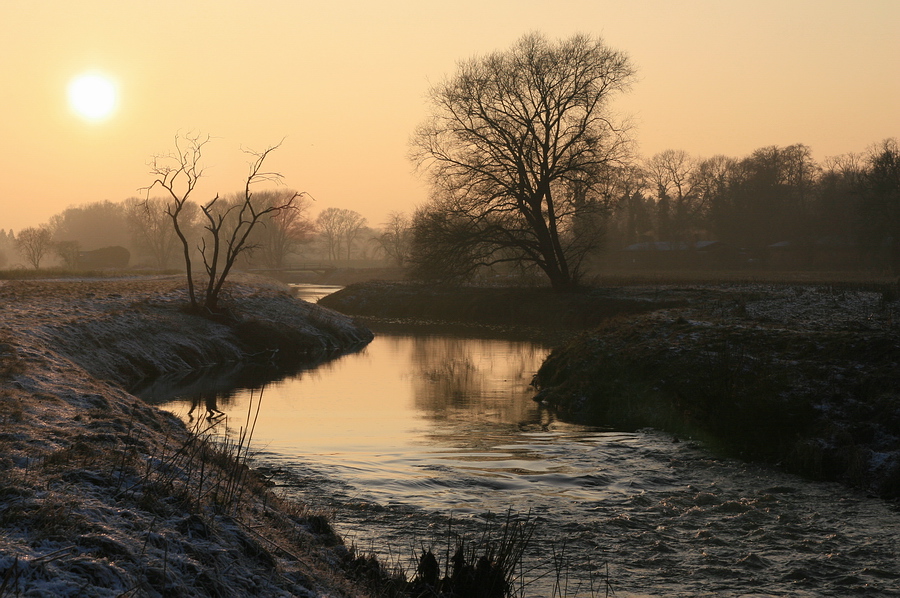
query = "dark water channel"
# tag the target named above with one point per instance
(425, 425)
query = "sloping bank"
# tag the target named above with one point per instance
(804, 376)
(102, 495)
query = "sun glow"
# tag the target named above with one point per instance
(92, 96)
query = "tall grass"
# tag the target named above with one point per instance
(210, 468)
(497, 562)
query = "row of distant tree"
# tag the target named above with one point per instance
(774, 195)
(145, 229)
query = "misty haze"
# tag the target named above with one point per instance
(481, 300)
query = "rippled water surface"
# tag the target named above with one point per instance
(426, 425)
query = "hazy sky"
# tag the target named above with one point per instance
(344, 84)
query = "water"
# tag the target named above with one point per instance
(429, 424)
(313, 292)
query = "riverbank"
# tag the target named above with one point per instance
(805, 376)
(495, 306)
(102, 495)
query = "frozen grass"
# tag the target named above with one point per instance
(803, 376)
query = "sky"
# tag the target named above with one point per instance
(342, 86)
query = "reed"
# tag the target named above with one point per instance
(488, 564)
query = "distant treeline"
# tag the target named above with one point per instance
(138, 232)
(776, 207)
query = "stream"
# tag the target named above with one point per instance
(430, 432)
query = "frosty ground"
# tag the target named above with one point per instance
(102, 495)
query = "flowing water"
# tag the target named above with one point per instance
(429, 429)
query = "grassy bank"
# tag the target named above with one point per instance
(823, 405)
(103, 495)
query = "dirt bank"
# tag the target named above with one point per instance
(806, 376)
(102, 495)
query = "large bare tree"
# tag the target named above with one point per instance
(227, 227)
(516, 147)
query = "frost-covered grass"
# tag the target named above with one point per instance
(103, 495)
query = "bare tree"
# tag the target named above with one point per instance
(68, 252)
(517, 145)
(880, 189)
(354, 224)
(178, 174)
(339, 228)
(328, 227)
(33, 243)
(672, 173)
(395, 240)
(226, 230)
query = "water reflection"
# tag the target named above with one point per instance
(476, 379)
(313, 292)
(389, 414)
(210, 392)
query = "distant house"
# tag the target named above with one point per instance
(716, 254)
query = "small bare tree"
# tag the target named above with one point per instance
(226, 230)
(339, 227)
(68, 252)
(34, 243)
(396, 238)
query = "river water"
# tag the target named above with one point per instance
(429, 432)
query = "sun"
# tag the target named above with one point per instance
(93, 96)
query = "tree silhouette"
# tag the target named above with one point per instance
(227, 227)
(517, 147)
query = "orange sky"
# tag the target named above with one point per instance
(344, 84)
